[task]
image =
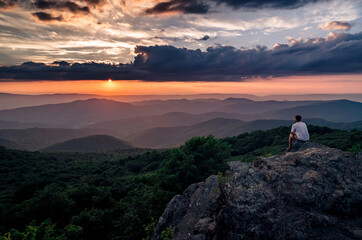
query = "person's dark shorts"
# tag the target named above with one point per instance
(298, 143)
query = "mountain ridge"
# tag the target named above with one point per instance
(11, 100)
(164, 137)
(38, 138)
(93, 143)
(82, 113)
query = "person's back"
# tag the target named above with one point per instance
(301, 131)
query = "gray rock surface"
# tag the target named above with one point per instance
(312, 193)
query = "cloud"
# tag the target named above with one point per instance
(181, 6)
(95, 2)
(61, 63)
(204, 38)
(336, 25)
(203, 6)
(56, 7)
(46, 17)
(256, 4)
(6, 4)
(66, 5)
(73, 7)
(336, 54)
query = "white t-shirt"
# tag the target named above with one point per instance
(300, 129)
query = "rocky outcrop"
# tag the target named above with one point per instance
(313, 193)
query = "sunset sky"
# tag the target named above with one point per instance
(181, 46)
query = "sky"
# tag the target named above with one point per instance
(181, 46)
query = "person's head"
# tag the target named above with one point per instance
(298, 118)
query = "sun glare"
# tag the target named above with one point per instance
(109, 80)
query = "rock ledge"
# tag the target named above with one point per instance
(313, 193)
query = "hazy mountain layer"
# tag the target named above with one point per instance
(21, 125)
(158, 137)
(38, 138)
(175, 136)
(125, 127)
(93, 143)
(87, 112)
(10, 101)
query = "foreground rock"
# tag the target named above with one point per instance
(313, 193)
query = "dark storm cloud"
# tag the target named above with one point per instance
(204, 38)
(47, 17)
(184, 6)
(337, 54)
(72, 7)
(43, 4)
(61, 63)
(4, 4)
(56, 7)
(66, 5)
(203, 6)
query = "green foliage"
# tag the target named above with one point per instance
(222, 178)
(28, 234)
(6, 236)
(73, 232)
(45, 231)
(167, 233)
(193, 162)
(355, 148)
(149, 229)
(109, 195)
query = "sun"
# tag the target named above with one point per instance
(109, 84)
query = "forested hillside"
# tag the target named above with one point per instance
(112, 196)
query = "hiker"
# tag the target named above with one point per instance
(299, 133)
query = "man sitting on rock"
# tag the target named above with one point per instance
(299, 133)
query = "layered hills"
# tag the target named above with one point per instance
(93, 143)
(82, 113)
(164, 123)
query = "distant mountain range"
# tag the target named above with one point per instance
(166, 137)
(10, 101)
(39, 138)
(163, 137)
(22, 125)
(156, 137)
(93, 143)
(83, 113)
(125, 127)
(161, 123)
(74, 114)
(336, 111)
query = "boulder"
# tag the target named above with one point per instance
(312, 193)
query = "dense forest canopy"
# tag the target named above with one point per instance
(109, 195)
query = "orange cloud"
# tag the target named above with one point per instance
(336, 25)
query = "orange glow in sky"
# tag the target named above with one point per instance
(282, 85)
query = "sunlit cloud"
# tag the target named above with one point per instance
(272, 24)
(336, 25)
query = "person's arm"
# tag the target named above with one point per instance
(292, 132)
